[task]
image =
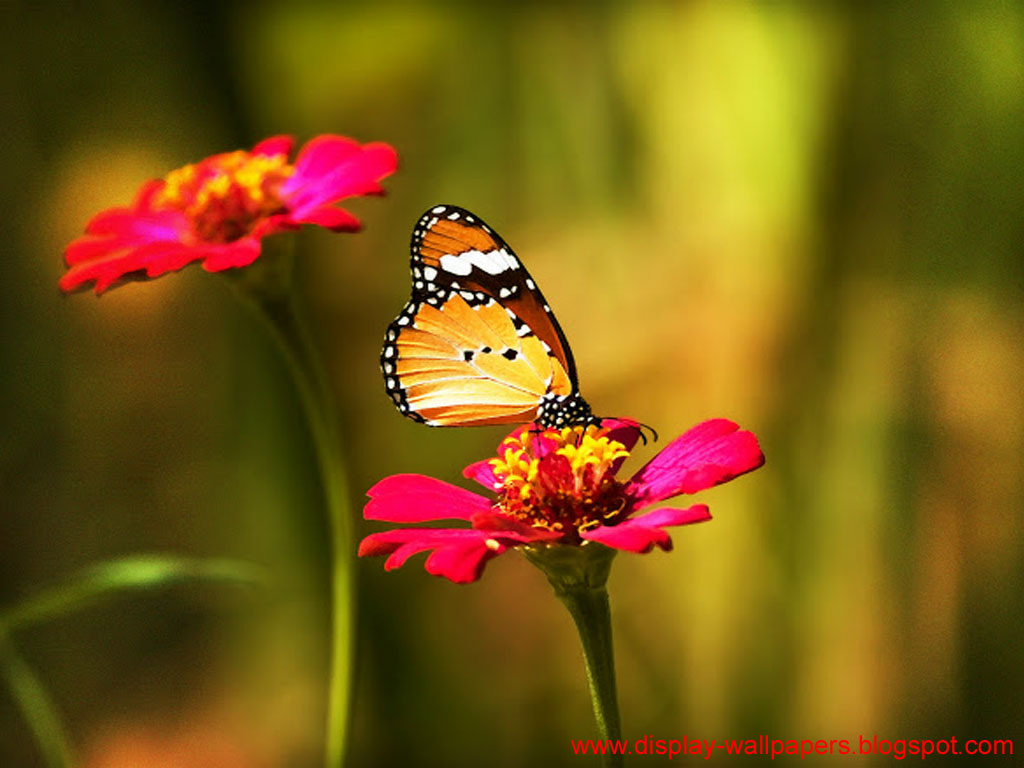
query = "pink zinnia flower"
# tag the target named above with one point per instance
(556, 487)
(217, 210)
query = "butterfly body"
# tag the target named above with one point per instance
(477, 343)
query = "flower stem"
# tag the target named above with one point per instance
(35, 704)
(282, 313)
(579, 575)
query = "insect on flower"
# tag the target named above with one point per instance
(218, 210)
(557, 486)
(477, 343)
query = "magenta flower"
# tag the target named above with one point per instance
(218, 210)
(556, 487)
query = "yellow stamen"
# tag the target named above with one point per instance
(571, 495)
(225, 196)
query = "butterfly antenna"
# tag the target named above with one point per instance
(654, 432)
(640, 427)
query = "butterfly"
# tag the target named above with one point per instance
(477, 343)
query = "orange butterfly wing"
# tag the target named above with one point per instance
(477, 343)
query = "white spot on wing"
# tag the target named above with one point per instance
(491, 262)
(429, 273)
(437, 209)
(456, 265)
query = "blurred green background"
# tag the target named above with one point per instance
(804, 217)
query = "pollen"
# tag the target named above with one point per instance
(225, 196)
(560, 480)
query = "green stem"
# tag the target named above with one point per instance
(36, 706)
(281, 312)
(579, 575)
(589, 609)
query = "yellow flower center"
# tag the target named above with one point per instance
(560, 480)
(225, 196)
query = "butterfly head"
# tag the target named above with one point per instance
(564, 411)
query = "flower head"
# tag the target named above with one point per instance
(556, 487)
(218, 210)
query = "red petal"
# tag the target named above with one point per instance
(240, 253)
(146, 193)
(150, 259)
(497, 524)
(483, 473)
(642, 533)
(459, 554)
(417, 498)
(159, 258)
(334, 219)
(91, 248)
(463, 563)
(123, 242)
(103, 272)
(271, 225)
(708, 454)
(275, 145)
(625, 431)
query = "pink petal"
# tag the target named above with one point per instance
(417, 498)
(642, 533)
(483, 473)
(275, 145)
(708, 454)
(334, 219)
(142, 225)
(321, 154)
(331, 168)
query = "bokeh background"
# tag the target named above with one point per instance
(803, 217)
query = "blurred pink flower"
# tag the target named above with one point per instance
(556, 487)
(217, 210)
